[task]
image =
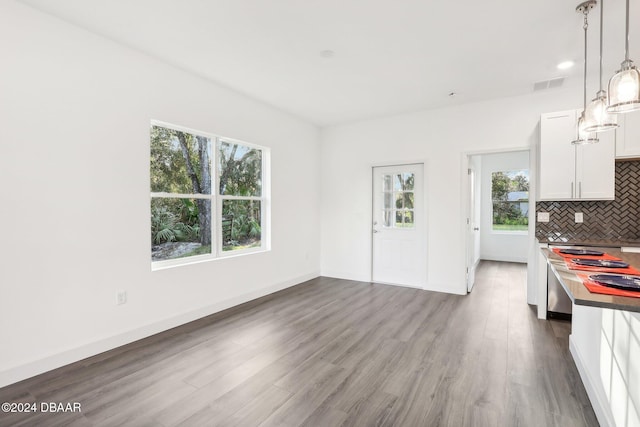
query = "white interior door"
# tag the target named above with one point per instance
(399, 226)
(472, 228)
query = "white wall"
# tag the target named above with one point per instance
(496, 245)
(74, 128)
(437, 137)
(605, 345)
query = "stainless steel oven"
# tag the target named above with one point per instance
(558, 302)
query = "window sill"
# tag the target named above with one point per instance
(510, 233)
(198, 259)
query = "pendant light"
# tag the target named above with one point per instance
(624, 86)
(596, 117)
(584, 137)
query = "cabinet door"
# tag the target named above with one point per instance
(557, 156)
(595, 169)
(628, 135)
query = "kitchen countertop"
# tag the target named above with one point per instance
(580, 295)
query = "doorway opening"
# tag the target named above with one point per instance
(499, 189)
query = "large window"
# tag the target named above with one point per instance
(208, 196)
(510, 196)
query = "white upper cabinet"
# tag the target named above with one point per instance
(628, 135)
(574, 172)
(557, 156)
(596, 169)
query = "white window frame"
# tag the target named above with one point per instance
(507, 232)
(217, 200)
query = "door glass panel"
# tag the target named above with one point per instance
(408, 218)
(408, 181)
(399, 199)
(398, 218)
(398, 182)
(408, 200)
(386, 182)
(386, 218)
(387, 201)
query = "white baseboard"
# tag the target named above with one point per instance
(346, 276)
(402, 286)
(505, 258)
(430, 286)
(446, 288)
(596, 394)
(54, 361)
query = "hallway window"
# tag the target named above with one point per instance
(510, 196)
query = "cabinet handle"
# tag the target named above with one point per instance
(580, 190)
(572, 189)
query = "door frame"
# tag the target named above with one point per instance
(425, 232)
(472, 241)
(464, 203)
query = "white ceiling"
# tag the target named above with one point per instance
(391, 56)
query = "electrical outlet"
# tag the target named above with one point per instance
(121, 297)
(543, 216)
(579, 218)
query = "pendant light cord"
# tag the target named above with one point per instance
(626, 41)
(585, 26)
(601, 26)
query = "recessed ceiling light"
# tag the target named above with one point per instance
(565, 65)
(327, 53)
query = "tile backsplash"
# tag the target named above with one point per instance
(617, 219)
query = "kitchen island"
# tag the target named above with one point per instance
(604, 342)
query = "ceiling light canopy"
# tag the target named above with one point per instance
(328, 53)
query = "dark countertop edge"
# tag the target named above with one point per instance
(586, 298)
(605, 243)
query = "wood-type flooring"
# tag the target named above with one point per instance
(333, 352)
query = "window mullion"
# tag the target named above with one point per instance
(229, 197)
(180, 196)
(215, 191)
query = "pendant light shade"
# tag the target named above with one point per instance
(596, 117)
(582, 136)
(624, 89)
(624, 86)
